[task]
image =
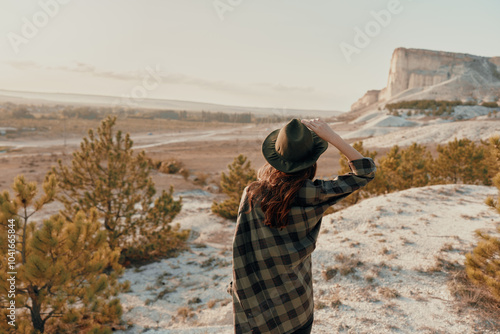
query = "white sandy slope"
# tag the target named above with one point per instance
(439, 133)
(396, 237)
(378, 129)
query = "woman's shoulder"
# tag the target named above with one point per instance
(309, 192)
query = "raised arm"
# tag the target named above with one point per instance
(324, 131)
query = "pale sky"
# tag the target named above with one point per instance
(265, 53)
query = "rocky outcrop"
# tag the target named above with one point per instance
(425, 74)
(369, 98)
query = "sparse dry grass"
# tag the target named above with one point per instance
(369, 278)
(388, 293)
(447, 247)
(429, 330)
(421, 298)
(348, 264)
(185, 173)
(328, 300)
(170, 166)
(405, 241)
(441, 265)
(195, 300)
(367, 294)
(329, 273)
(354, 244)
(211, 303)
(184, 312)
(165, 292)
(476, 299)
(201, 179)
(213, 262)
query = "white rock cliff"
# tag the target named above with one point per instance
(417, 74)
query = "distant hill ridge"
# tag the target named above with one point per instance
(417, 74)
(151, 103)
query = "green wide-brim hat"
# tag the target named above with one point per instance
(293, 147)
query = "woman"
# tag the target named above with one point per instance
(278, 224)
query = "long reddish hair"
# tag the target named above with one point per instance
(276, 191)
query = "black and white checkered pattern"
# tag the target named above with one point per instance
(272, 271)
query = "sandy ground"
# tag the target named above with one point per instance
(396, 242)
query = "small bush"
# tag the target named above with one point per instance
(159, 244)
(483, 265)
(490, 104)
(240, 175)
(388, 293)
(185, 173)
(201, 179)
(171, 166)
(211, 303)
(347, 264)
(461, 160)
(371, 188)
(195, 300)
(184, 312)
(329, 273)
(469, 295)
(493, 160)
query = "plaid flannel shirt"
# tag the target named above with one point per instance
(272, 269)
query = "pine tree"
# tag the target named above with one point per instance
(415, 165)
(390, 164)
(461, 160)
(376, 186)
(493, 160)
(240, 175)
(60, 284)
(106, 174)
(483, 264)
(406, 168)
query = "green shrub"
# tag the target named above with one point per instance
(372, 188)
(62, 278)
(460, 160)
(240, 175)
(438, 107)
(483, 264)
(108, 175)
(406, 168)
(490, 104)
(492, 155)
(172, 166)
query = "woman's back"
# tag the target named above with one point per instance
(278, 224)
(272, 276)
